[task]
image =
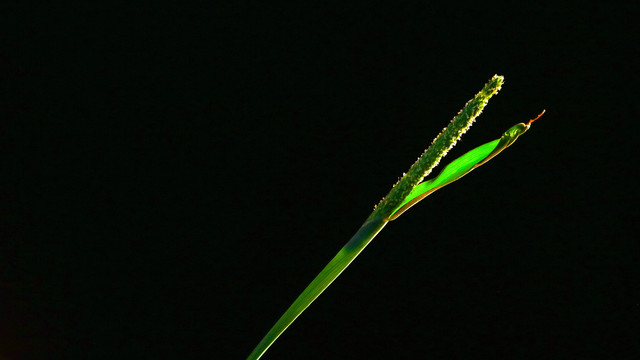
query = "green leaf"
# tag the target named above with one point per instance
(452, 172)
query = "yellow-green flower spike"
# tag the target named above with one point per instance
(438, 148)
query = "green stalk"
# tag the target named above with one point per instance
(388, 208)
(358, 242)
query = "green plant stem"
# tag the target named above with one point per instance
(358, 242)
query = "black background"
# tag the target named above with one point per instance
(173, 176)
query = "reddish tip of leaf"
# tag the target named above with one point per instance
(536, 118)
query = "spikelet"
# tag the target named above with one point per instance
(438, 149)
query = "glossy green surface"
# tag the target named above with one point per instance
(460, 167)
(344, 257)
(452, 172)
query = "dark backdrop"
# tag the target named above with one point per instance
(173, 176)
